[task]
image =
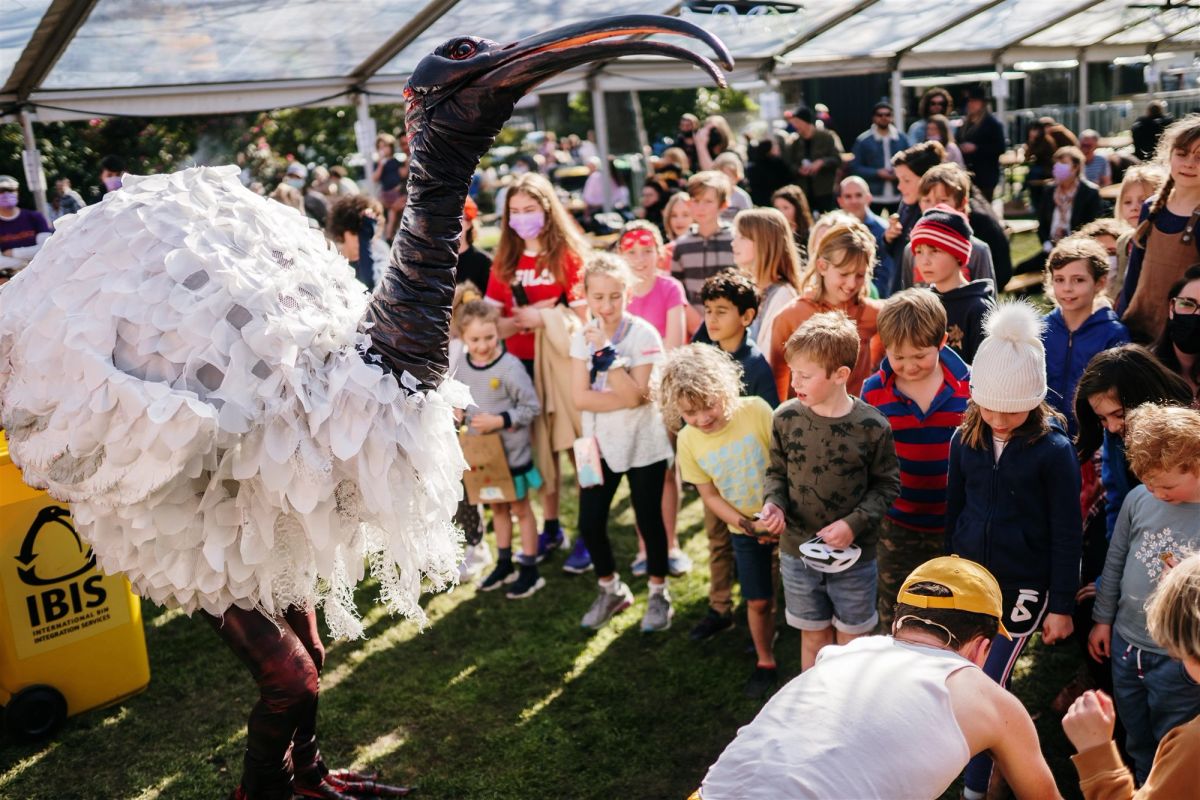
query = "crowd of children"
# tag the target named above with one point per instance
(837, 441)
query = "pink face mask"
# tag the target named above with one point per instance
(112, 183)
(527, 225)
(1062, 171)
(8, 199)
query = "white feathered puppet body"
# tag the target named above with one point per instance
(234, 421)
(184, 364)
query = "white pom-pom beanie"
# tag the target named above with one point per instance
(1009, 371)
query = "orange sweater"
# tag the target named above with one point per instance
(1175, 774)
(792, 316)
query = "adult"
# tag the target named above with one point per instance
(474, 265)
(654, 201)
(593, 187)
(937, 129)
(1095, 166)
(685, 138)
(893, 716)
(791, 202)
(981, 140)
(909, 165)
(1069, 203)
(112, 172)
(935, 101)
(1148, 128)
(854, 197)
(316, 205)
(22, 231)
(766, 171)
(714, 138)
(815, 157)
(1179, 346)
(68, 200)
(345, 184)
(873, 151)
(390, 175)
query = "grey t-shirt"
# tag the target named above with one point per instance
(503, 387)
(1147, 529)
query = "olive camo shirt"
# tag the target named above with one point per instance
(824, 469)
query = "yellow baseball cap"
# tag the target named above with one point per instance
(972, 588)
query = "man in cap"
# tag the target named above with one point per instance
(981, 140)
(815, 155)
(22, 231)
(893, 716)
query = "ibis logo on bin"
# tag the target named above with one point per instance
(58, 595)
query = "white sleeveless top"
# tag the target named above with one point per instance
(872, 719)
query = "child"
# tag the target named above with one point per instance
(534, 280)
(659, 299)
(1076, 330)
(763, 248)
(837, 279)
(1114, 382)
(1159, 523)
(832, 476)
(503, 399)
(1166, 242)
(612, 358)
(1012, 499)
(950, 185)
(1140, 182)
(941, 246)
(922, 388)
(723, 451)
(708, 247)
(1172, 620)
(353, 227)
(476, 556)
(730, 305)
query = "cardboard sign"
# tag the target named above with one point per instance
(488, 480)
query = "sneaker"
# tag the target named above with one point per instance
(527, 583)
(678, 563)
(638, 567)
(580, 560)
(504, 573)
(761, 682)
(549, 542)
(712, 624)
(658, 612)
(607, 605)
(476, 559)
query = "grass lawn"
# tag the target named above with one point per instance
(496, 699)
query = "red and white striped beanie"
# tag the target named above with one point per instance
(944, 228)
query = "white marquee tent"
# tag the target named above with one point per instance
(77, 59)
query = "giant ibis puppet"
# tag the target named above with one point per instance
(188, 365)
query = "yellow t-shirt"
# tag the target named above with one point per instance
(734, 458)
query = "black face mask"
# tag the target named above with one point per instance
(1184, 330)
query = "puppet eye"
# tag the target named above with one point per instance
(463, 50)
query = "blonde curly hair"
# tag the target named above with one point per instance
(699, 375)
(1160, 438)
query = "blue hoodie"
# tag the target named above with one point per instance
(1019, 516)
(1067, 353)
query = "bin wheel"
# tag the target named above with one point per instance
(35, 712)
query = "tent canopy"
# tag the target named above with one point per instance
(74, 59)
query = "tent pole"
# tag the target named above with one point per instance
(1001, 97)
(898, 97)
(35, 178)
(1083, 90)
(600, 121)
(364, 132)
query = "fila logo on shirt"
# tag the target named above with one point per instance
(529, 277)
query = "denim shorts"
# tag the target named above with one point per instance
(815, 600)
(753, 566)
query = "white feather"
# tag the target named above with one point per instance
(184, 364)
(1015, 321)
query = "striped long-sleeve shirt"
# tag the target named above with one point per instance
(922, 439)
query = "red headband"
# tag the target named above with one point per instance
(637, 236)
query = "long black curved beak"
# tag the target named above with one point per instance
(526, 63)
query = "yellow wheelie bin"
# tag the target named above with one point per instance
(71, 637)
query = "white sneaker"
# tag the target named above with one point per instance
(476, 559)
(658, 612)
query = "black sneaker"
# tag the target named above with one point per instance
(501, 575)
(712, 624)
(527, 583)
(761, 682)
